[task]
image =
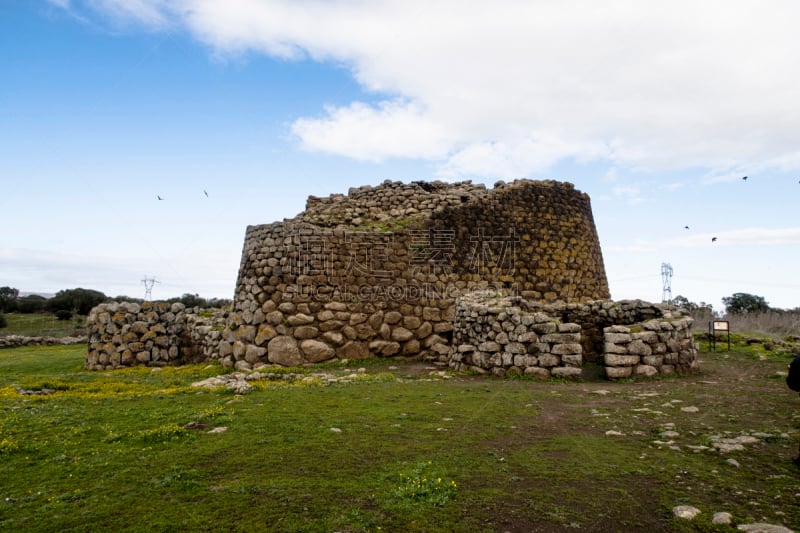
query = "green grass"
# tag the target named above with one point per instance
(111, 451)
(40, 325)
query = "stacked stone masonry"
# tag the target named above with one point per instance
(376, 272)
(379, 272)
(15, 341)
(152, 334)
(508, 335)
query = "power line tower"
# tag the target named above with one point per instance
(666, 283)
(148, 287)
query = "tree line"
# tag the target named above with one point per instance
(67, 303)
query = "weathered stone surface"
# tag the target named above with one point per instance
(549, 360)
(306, 332)
(283, 350)
(569, 327)
(645, 371)
(254, 353)
(621, 360)
(561, 349)
(618, 372)
(537, 372)
(639, 347)
(354, 350)
(401, 334)
(300, 319)
(316, 351)
(392, 317)
(567, 372)
(618, 338)
(686, 512)
(265, 333)
(383, 348)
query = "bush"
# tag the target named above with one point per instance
(63, 314)
(3, 321)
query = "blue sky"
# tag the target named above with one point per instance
(655, 110)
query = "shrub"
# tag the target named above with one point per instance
(3, 321)
(63, 314)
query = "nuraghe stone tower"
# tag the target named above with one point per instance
(377, 272)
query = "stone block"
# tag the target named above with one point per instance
(353, 350)
(645, 371)
(560, 338)
(617, 338)
(610, 347)
(489, 346)
(383, 348)
(544, 328)
(566, 372)
(411, 347)
(300, 320)
(537, 372)
(316, 351)
(653, 360)
(423, 330)
(569, 327)
(411, 322)
(333, 338)
(306, 332)
(283, 350)
(649, 337)
(524, 361)
(549, 360)
(392, 317)
(638, 347)
(568, 348)
(619, 372)
(253, 353)
(265, 333)
(611, 359)
(572, 360)
(401, 334)
(666, 370)
(516, 348)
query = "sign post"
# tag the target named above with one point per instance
(718, 325)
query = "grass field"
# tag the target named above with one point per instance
(395, 448)
(41, 325)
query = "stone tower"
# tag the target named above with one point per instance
(377, 272)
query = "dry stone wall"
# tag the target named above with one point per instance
(649, 349)
(376, 272)
(509, 335)
(508, 280)
(15, 341)
(152, 334)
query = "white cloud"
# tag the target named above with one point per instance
(510, 87)
(630, 193)
(395, 129)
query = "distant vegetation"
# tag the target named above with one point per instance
(747, 313)
(67, 305)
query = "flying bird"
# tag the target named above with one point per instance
(157, 196)
(204, 192)
(713, 239)
(745, 178)
(686, 227)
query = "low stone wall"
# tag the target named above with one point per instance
(152, 333)
(649, 349)
(505, 335)
(291, 334)
(14, 341)
(501, 338)
(508, 335)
